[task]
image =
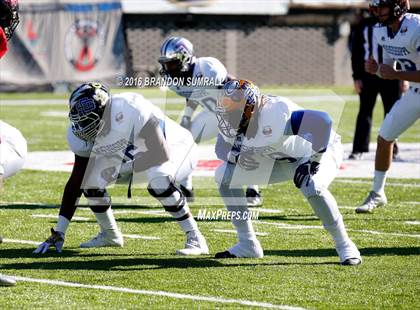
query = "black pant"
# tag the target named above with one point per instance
(372, 86)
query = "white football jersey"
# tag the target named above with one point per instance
(404, 46)
(208, 68)
(129, 113)
(274, 139)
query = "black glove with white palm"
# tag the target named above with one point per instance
(55, 240)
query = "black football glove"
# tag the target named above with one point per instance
(56, 240)
(305, 172)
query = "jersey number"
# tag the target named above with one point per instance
(407, 64)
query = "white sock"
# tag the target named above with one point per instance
(254, 187)
(187, 182)
(189, 224)
(244, 229)
(379, 182)
(106, 220)
(62, 224)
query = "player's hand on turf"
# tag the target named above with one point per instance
(186, 122)
(371, 66)
(304, 173)
(55, 240)
(109, 174)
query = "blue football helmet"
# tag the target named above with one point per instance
(87, 104)
(176, 56)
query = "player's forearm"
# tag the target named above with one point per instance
(151, 158)
(411, 76)
(190, 107)
(72, 193)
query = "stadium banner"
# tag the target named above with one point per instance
(222, 7)
(64, 42)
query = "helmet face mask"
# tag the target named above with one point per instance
(176, 56)
(87, 106)
(9, 16)
(236, 104)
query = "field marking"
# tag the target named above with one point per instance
(232, 231)
(412, 222)
(131, 236)
(148, 212)
(51, 216)
(373, 232)
(21, 241)
(264, 210)
(370, 182)
(411, 202)
(158, 293)
(346, 207)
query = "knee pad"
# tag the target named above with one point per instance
(98, 199)
(169, 195)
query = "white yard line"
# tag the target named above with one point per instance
(148, 212)
(411, 202)
(346, 207)
(140, 237)
(264, 210)
(21, 241)
(158, 293)
(370, 182)
(412, 222)
(373, 232)
(232, 231)
(51, 216)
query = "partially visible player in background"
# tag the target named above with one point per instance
(124, 136)
(178, 61)
(398, 32)
(12, 144)
(267, 140)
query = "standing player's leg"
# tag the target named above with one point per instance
(367, 99)
(403, 114)
(390, 91)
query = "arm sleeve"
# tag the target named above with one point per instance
(313, 126)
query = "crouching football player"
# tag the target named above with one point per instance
(124, 136)
(265, 140)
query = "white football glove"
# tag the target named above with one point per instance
(56, 240)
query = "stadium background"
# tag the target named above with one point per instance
(297, 42)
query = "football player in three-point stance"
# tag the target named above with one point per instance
(12, 144)
(178, 61)
(264, 140)
(124, 136)
(398, 32)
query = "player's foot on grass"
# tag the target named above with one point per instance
(196, 244)
(188, 193)
(243, 249)
(349, 254)
(373, 201)
(109, 238)
(6, 281)
(253, 198)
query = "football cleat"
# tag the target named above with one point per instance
(6, 281)
(243, 249)
(349, 254)
(188, 193)
(253, 198)
(356, 156)
(195, 245)
(374, 200)
(109, 238)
